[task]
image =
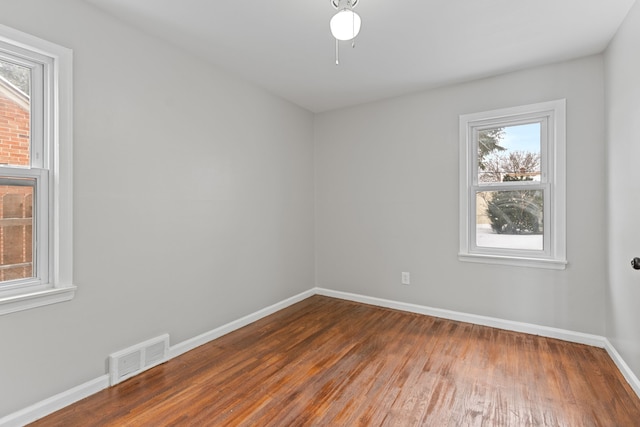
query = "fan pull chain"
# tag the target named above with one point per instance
(353, 30)
(337, 53)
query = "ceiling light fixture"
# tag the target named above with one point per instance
(345, 25)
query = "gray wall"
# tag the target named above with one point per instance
(193, 202)
(387, 201)
(623, 137)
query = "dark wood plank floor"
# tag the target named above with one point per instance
(327, 362)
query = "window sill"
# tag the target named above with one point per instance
(14, 303)
(551, 264)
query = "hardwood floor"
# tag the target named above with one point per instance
(328, 362)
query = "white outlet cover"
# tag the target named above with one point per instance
(406, 278)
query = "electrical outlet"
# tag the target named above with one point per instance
(406, 278)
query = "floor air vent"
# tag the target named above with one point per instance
(131, 361)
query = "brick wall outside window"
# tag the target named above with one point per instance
(16, 202)
(14, 132)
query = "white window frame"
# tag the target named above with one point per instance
(552, 116)
(51, 170)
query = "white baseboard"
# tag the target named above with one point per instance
(528, 328)
(190, 344)
(626, 371)
(54, 403)
(59, 401)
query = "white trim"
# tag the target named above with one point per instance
(63, 399)
(27, 301)
(551, 264)
(62, 161)
(192, 343)
(54, 403)
(493, 322)
(626, 371)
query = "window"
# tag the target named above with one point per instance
(512, 186)
(35, 172)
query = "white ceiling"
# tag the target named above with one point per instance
(285, 46)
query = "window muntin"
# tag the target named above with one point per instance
(511, 192)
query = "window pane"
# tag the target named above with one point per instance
(15, 117)
(510, 153)
(16, 232)
(510, 219)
